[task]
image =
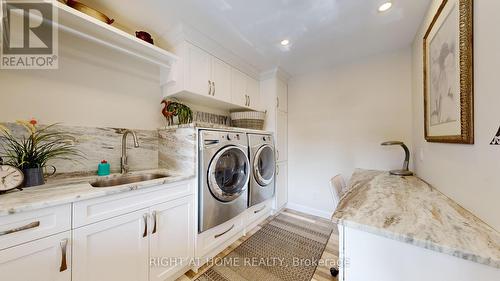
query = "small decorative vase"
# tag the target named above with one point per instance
(33, 177)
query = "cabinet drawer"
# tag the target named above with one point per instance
(256, 214)
(27, 226)
(218, 235)
(94, 210)
(46, 259)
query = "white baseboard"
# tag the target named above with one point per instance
(309, 210)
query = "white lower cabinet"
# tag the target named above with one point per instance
(114, 249)
(172, 238)
(47, 259)
(281, 195)
(154, 244)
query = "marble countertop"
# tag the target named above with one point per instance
(203, 125)
(409, 210)
(67, 190)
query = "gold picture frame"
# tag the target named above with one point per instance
(448, 74)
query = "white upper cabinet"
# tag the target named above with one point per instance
(253, 89)
(244, 89)
(282, 99)
(198, 65)
(201, 78)
(221, 80)
(239, 88)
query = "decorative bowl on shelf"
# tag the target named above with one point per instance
(89, 11)
(143, 35)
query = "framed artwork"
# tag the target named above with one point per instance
(448, 74)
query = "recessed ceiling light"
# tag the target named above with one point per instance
(285, 42)
(385, 7)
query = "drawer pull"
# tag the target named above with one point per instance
(219, 235)
(261, 209)
(155, 222)
(22, 228)
(145, 234)
(64, 264)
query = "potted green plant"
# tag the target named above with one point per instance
(32, 151)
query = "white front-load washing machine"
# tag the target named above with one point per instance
(224, 172)
(262, 161)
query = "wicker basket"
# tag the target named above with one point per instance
(248, 119)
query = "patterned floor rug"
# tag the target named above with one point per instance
(287, 248)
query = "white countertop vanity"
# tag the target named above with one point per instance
(73, 231)
(401, 228)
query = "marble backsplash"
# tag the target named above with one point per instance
(177, 150)
(172, 148)
(102, 144)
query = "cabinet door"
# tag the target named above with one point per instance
(253, 89)
(282, 101)
(221, 76)
(198, 70)
(281, 185)
(239, 94)
(40, 260)
(172, 240)
(282, 136)
(114, 249)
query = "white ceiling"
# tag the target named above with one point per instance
(322, 32)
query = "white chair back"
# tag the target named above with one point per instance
(338, 188)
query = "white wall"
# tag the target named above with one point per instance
(94, 86)
(469, 174)
(337, 120)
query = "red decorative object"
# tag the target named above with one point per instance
(168, 115)
(143, 35)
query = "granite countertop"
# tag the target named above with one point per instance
(67, 190)
(409, 210)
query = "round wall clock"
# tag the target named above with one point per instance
(10, 178)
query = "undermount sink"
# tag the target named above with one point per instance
(126, 180)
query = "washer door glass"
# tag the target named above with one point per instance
(264, 165)
(228, 174)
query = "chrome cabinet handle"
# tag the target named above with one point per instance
(277, 102)
(64, 264)
(155, 222)
(258, 211)
(22, 228)
(249, 101)
(219, 235)
(277, 170)
(145, 225)
(213, 84)
(277, 154)
(209, 87)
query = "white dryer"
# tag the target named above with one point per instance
(262, 161)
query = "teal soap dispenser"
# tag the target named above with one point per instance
(104, 168)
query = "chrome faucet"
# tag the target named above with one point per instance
(124, 162)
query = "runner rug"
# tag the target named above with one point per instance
(287, 248)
